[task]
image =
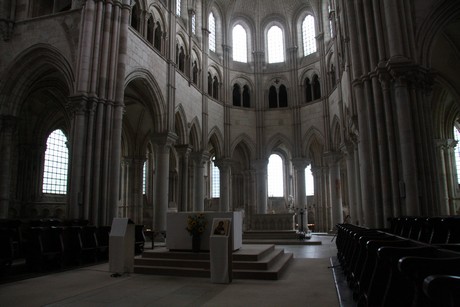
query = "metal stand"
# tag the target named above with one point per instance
(301, 234)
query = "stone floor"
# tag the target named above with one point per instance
(311, 280)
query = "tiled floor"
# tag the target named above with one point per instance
(309, 281)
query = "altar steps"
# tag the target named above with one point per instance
(278, 237)
(249, 262)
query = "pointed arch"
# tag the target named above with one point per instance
(335, 133)
(216, 139)
(181, 125)
(280, 143)
(152, 94)
(244, 141)
(42, 61)
(194, 136)
(313, 145)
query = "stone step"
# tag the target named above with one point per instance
(265, 263)
(274, 273)
(250, 262)
(287, 234)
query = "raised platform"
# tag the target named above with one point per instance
(249, 262)
(280, 237)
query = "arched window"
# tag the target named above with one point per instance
(195, 73)
(308, 35)
(56, 164)
(193, 23)
(309, 182)
(181, 59)
(215, 88)
(275, 45)
(135, 17)
(332, 74)
(283, 97)
(215, 180)
(46, 7)
(150, 33)
(209, 84)
(240, 49)
(178, 4)
(277, 97)
(272, 97)
(246, 97)
(237, 95)
(158, 34)
(212, 32)
(275, 176)
(308, 90)
(316, 88)
(144, 179)
(457, 153)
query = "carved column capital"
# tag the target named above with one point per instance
(300, 163)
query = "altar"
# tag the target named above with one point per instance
(178, 238)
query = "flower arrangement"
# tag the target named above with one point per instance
(196, 224)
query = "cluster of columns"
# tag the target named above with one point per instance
(394, 150)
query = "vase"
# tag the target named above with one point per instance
(196, 243)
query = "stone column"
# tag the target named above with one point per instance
(409, 190)
(163, 143)
(135, 207)
(77, 107)
(300, 200)
(7, 127)
(261, 185)
(224, 166)
(184, 152)
(384, 78)
(351, 174)
(358, 219)
(335, 188)
(441, 146)
(451, 178)
(199, 159)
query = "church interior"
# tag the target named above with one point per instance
(306, 118)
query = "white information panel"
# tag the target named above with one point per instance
(121, 246)
(220, 250)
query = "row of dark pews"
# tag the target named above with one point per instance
(410, 264)
(53, 244)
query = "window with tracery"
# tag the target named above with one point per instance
(193, 23)
(178, 8)
(150, 30)
(212, 32)
(56, 164)
(47, 7)
(144, 179)
(457, 152)
(308, 35)
(158, 37)
(195, 73)
(277, 96)
(215, 180)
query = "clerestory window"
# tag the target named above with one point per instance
(212, 32)
(275, 45)
(240, 49)
(308, 35)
